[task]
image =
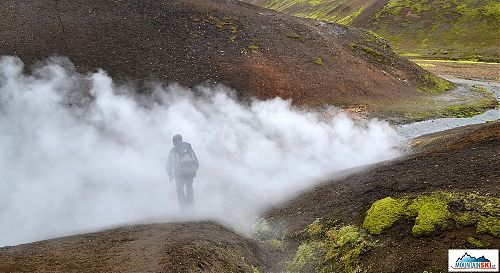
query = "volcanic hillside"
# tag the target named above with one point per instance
(424, 28)
(256, 51)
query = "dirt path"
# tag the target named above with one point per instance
(172, 247)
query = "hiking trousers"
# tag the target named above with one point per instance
(185, 194)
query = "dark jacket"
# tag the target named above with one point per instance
(173, 167)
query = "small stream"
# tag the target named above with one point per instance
(420, 128)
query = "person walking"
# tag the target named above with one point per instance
(182, 165)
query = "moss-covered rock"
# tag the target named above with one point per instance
(431, 213)
(489, 225)
(439, 210)
(307, 257)
(382, 214)
(315, 228)
(337, 250)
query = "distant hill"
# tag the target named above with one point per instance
(456, 29)
(258, 52)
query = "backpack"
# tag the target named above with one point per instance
(186, 162)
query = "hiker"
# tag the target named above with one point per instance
(182, 164)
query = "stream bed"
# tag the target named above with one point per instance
(416, 129)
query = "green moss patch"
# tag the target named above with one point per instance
(450, 29)
(431, 213)
(477, 243)
(295, 37)
(395, 7)
(277, 244)
(435, 85)
(439, 210)
(319, 61)
(349, 18)
(227, 24)
(471, 109)
(336, 250)
(316, 228)
(372, 53)
(383, 214)
(308, 257)
(458, 29)
(466, 111)
(254, 48)
(489, 225)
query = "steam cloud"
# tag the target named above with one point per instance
(79, 152)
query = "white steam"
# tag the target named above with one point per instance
(78, 152)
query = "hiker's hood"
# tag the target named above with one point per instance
(181, 146)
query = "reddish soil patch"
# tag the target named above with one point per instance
(258, 52)
(484, 71)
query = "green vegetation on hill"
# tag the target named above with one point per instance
(341, 11)
(454, 29)
(450, 29)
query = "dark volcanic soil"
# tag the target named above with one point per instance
(464, 159)
(457, 138)
(459, 165)
(256, 51)
(177, 247)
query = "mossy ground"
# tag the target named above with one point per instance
(334, 249)
(326, 10)
(369, 51)
(477, 243)
(327, 246)
(435, 85)
(277, 244)
(448, 29)
(473, 100)
(465, 111)
(453, 29)
(436, 211)
(383, 213)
